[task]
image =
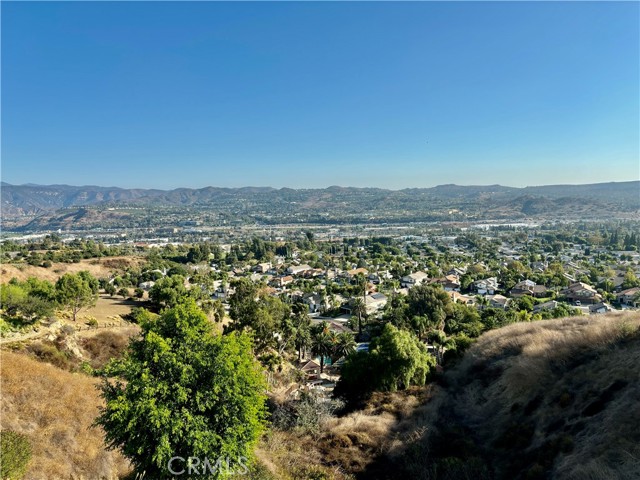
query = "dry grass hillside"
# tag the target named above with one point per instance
(55, 410)
(555, 399)
(541, 400)
(98, 267)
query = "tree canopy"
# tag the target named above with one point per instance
(183, 390)
(77, 291)
(396, 360)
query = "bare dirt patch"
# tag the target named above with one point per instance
(108, 310)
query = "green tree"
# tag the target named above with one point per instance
(359, 310)
(243, 304)
(218, 311)
(302, 325)
(630, 280)
(77, 291)
(322, 342)
(12, 297)
(263, 315)
(345, 345)
(199, 253)
(182, 390)
(432, 302)
(110, 289)
(168, 291)
(396, 360)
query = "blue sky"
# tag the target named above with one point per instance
(307, 95)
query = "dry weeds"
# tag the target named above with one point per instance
(98, 267)
(55, 410)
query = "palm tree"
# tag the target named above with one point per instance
(344, 346)
(322, 342)
(302, 325)
(359, 309)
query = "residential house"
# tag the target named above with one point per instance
(450, 283)
(486, 286)
(262, 267)
(539, 267)
(581, 292)
(457, 297)
(311, 369)
(600, 307)
(550, 305)
(281, 281)
(220, 290)
(315, 301)
(357, 271)
(457, 271)
(298, 269)
(630, 296)
(374, 302)
(528, 287)
(498, 301)
(413, 279)
(334, 325)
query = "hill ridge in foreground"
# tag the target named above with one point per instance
(539, 400)
(553, 399)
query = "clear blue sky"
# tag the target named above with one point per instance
(315, 94)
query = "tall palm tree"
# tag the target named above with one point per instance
(302, 325)
(344, 346)
(359, 309)
(322, 342)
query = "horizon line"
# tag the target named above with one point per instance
(29, 184)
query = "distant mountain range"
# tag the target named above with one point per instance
(266, 204)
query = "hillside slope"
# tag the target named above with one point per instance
(55, 410)
(541, 400)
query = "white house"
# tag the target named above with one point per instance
(298, 269)
(487, 286)
(498, 301)
(413, 279)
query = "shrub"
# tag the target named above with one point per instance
(49, 353)
(92, 322)
(15, 454)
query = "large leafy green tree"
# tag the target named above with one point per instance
(396, 360)
(262, 315)
(29, 301)
(183, 390)
(168, 291)
(432, 303)
(77, 291)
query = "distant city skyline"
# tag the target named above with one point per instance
(308, 95)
